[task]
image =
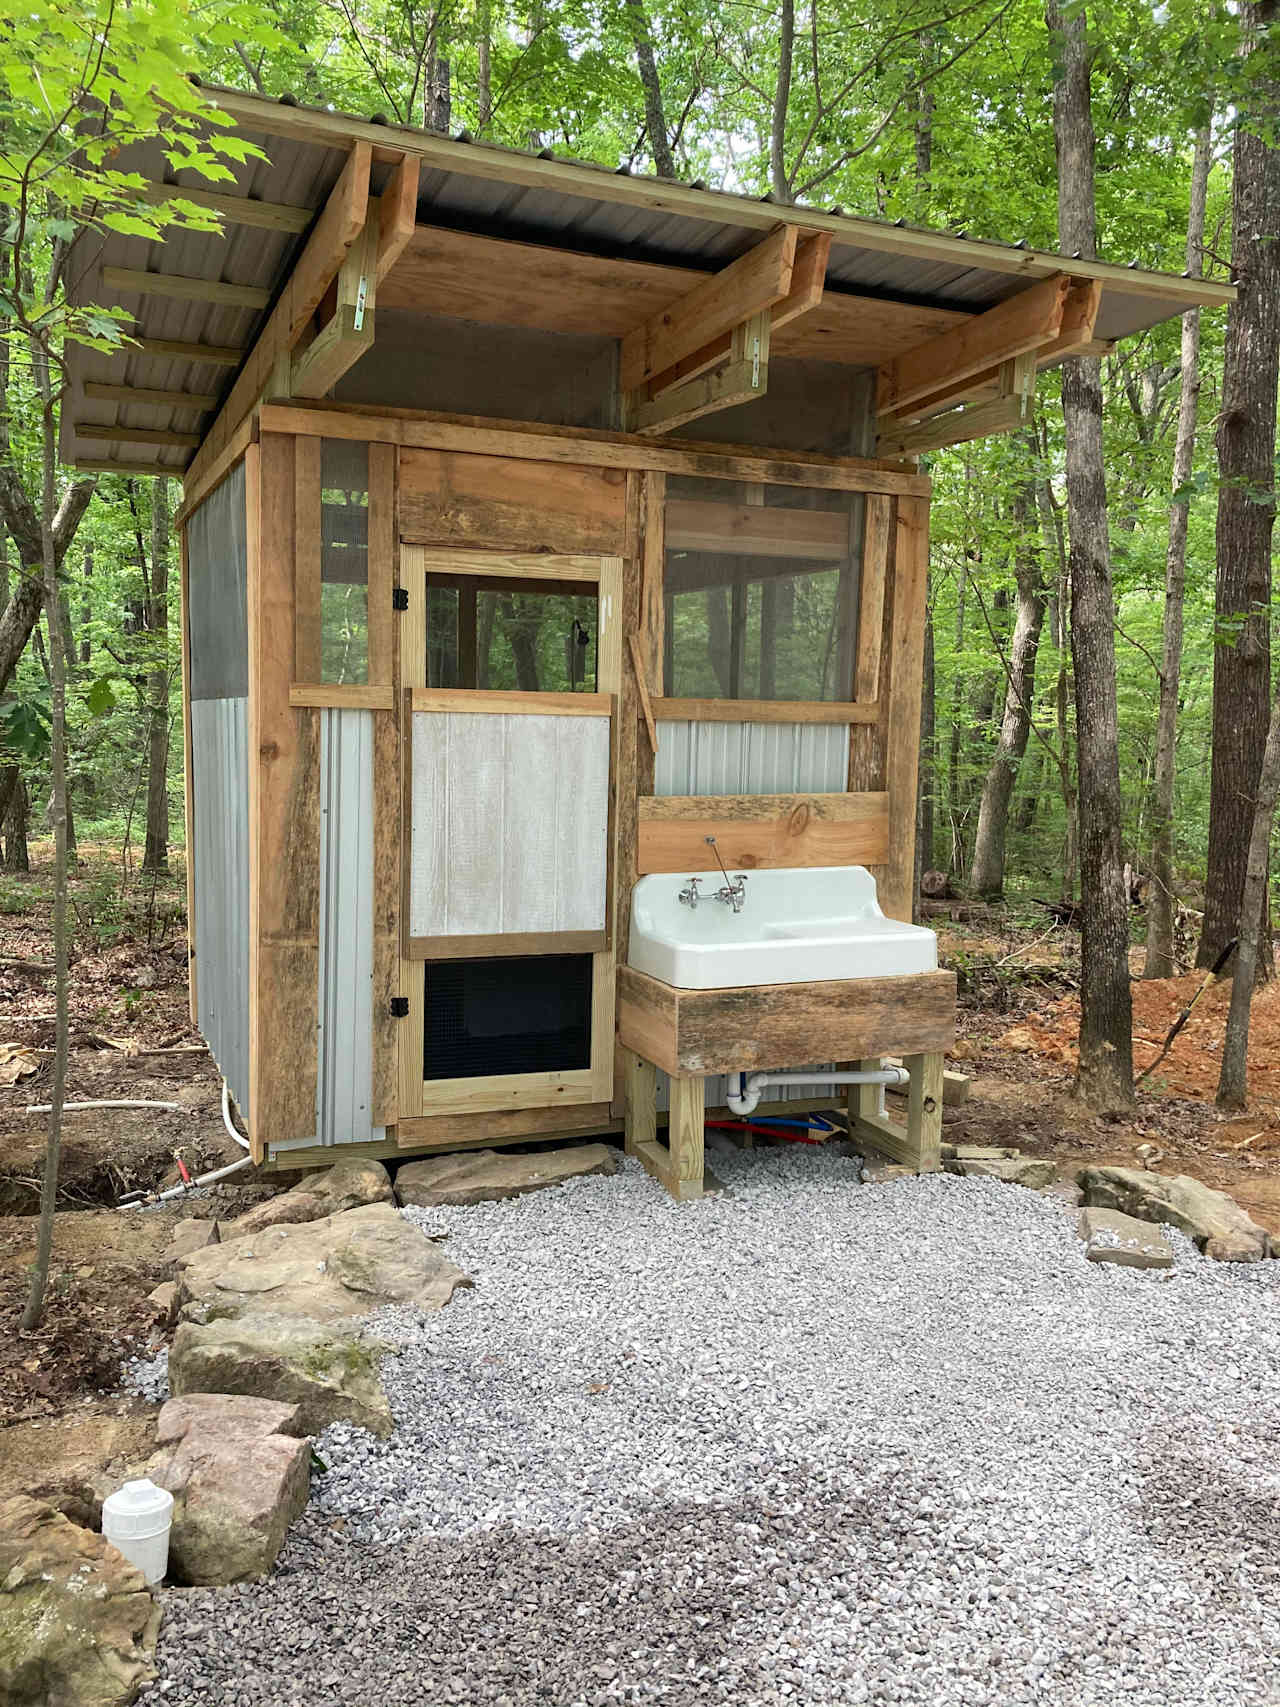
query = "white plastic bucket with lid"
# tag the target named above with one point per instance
(136, 1520)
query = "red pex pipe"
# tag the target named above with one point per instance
(768, 1131)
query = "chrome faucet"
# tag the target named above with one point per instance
(733, 891)
(689, 896)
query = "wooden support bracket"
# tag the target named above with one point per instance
(710, 350)
(642, 688)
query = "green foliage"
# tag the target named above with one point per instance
(929, 115)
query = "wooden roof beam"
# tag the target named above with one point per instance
(128, 470)
(145, 394)
(235, 210)
(1005, 413)
(755, 281)
(808, 276)
(1074, 337)
(1024, 322)
(349, 329)
(216, 355)
(138, 435)
(334, 232)
(131, 281)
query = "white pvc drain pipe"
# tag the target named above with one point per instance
(744, 1091)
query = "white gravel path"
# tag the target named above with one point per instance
(806, 1441)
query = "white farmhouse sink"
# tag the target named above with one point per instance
(794, 926)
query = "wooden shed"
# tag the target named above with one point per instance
(540, 522)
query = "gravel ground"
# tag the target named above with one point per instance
(806, 1441)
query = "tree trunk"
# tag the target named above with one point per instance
(34, 1310)
(1233, 1080)
(1160, 962)
(86, 611)
(155, 856)
(1105, 1078)
(779, 182)
(928, 736)
(955, 857)
(987, 875)
(15, 819)
(1246, 511)
(484, 75)
(655, 118)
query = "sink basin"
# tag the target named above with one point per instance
(795, 926)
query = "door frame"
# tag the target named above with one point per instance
(592, 1084)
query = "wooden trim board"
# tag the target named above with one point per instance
(589, 447)
(764, 711)
(755, 832)
(701, 1032)
(501, 703)
(342, 696)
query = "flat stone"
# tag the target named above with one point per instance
(325, 1374)
(1112, 1237)
(1029, 1171)
(1217, 1223)
(344, 1265)
(239, 1472)
(190, 1236)
(347, 1185)
(78, 1623)
(484, 1176)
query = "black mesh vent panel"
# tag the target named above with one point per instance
(491, 1017)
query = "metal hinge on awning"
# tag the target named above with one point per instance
(399, 598)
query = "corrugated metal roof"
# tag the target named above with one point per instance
(496, 191)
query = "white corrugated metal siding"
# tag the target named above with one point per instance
(752, 758)
(345, 1088)
(220, 807)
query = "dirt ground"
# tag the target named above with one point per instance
(131, 1037)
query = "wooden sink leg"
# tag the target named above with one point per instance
(677, 1165)
(917, 1143)
(640, 1104)
(685, 1135)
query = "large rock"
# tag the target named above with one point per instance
(347, 1185)
(239, 1470)
(1111, 1237)
(325, 1373)
(483, 1176)
(78, 1623)
(188, 1237)
(1215, 1221)
(345, 1265)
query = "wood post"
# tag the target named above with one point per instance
(640, 1081)
(684, 1137)
(918, 1143)
(678, 1164)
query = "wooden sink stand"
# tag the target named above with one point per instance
(694, 1034)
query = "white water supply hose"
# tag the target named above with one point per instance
(203, 1179)
(744, 1092)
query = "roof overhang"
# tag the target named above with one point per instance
(630, 245)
